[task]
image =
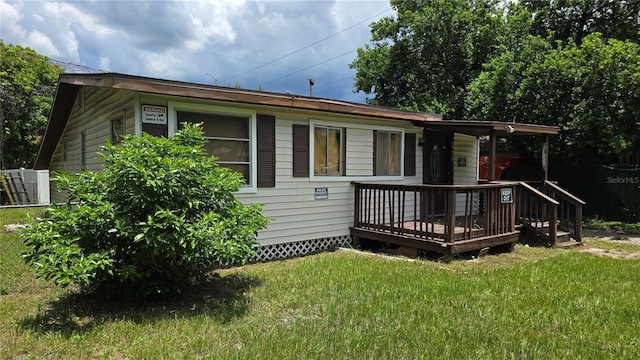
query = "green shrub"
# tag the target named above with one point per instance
(159, 215)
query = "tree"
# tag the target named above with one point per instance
(27, 85)
(589, 90)
(573, 20)
(571, 63)
(426, 57)
(157, 218)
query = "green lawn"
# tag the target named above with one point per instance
(534, 303)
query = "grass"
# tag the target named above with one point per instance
(599, 224)
(531, 303)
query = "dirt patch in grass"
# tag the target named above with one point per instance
(614, 253)
(611, 243)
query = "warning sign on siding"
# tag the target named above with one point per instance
(152, 114)
(321, 194)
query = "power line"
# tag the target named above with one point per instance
(306, 68)
(305, 47)
(325, 84)
(304, 29)
(75, 68)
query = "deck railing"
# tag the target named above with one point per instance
(569, 209)
(538, 211)
(546, 209)
(447, 213)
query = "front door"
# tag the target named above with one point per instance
(438, 170)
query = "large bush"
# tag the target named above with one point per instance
(160, 214)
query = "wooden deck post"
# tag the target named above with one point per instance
(578, 224)
(450, 235)
(356, 205)
(492, 155)
(545, 158)
(553, 225)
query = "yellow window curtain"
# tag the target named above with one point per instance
(320, 151)
(334, 152)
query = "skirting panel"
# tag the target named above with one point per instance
(300, 248)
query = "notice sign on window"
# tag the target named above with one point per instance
(322, 194)
(506, 195)
(154, 114)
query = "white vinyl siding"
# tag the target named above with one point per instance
(465, 147)
(100, 107)
(295, 214)
(359, 152)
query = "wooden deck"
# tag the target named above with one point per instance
(444, 219)
(453, 219)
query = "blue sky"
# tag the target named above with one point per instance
(273, 44)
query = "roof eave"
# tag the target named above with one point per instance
(210, 92)
(64, 99)
(480, 128)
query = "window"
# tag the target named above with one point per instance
(387, 153)
(328, 151)
(117, 130)
(228, 138)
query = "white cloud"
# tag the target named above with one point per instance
(10, 16)
(212, 21)
(42, 44)
(251, 42)
(105, 63)
(165, 66)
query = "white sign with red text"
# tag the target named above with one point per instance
(152, 114)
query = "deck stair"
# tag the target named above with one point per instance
(541, 232)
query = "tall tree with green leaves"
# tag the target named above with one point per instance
(591, 91)
(424, 58)
(27, 86)
(575, 19)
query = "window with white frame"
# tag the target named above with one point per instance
(388, 153)
(228, 138)
(328, 151)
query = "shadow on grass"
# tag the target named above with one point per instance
(222, 298)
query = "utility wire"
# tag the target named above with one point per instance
(303, 29)
(75, 68)
(306, 68)
(305, 47)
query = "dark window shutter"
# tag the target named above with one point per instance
(266, 143)
(409, 154)
(300, 150)
(375, 151)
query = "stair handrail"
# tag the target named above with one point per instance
(543, 196)
(552, 210)
(565, 194)
(573, 200)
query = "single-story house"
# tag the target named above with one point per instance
(329, 172)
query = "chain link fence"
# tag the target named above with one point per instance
(610, 193)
